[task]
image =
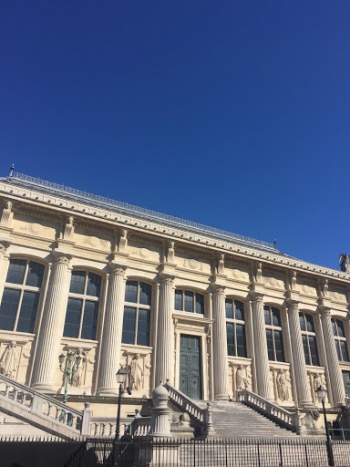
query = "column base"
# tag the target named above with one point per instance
(221, 397)
(44, 387)
(307, 405)
(108, 392)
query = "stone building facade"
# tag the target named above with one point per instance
(121, 286)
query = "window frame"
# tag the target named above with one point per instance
(84, 297)
(339, 339)
(234, 322)
(309, 335)
(22, 288)
(183, 301)
(274, 329)
(138, 306)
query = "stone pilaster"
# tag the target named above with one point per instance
(4, 263)
(112, 330)
(52, 326)
(220, 365)
(165, 340)
(260, 347)
(299, 365)
(334, 370)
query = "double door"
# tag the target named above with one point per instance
(190, 366)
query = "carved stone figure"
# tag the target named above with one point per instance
(136, 373)
(242, 381)
(308, 422)
(317, 381)
(170, 252)
(123, 240)
(344, 261)
(9, 361)
(6, 214)
(282, 385)
(69, 228)
(77, 379)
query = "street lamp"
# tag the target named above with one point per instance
(68, 371)
(121, 380)
(321, 392)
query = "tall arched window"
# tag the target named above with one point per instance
(137, 310)
(192, 302)
(83, 303)
(309, 339)
(274, 334)
(235, 328)
(21, 295)
(340, 340)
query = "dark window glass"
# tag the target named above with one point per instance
(77, 282)
(131, 292)
(267, 315)
(200, 303)
(145, 294)
(231, 348)
(334, 327)
(306, 351)
(8, 310)
(313, 351)
(344, 351)
(15, 273)
(27, 314)
(340, 328)
(178, 300)
(279, 346)
(241, 344)
(71, 327)
(229, 309)
(143, 327)
(270, 348)
(276, 317)
(189, 301)
(239, 310)
(302, 322)
(88, 330)
(128, 336)
(35, 274)
(93, 285)
(309, 323)
(337, 346)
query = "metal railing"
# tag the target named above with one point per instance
(164, 219)
(211, 452)
(274, 412)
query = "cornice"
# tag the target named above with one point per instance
(113, 218)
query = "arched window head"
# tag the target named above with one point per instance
(21, 295)
(137, 311)
(83, 304)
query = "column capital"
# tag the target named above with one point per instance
(61, 256)
(218, 289)
(5, 242)
(292, 303)
(166, 278)
(257, 297)
(325, 310)
(117, 268)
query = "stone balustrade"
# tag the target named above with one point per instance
(184, 402)
(274, 412)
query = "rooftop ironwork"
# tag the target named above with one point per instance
(129, 209)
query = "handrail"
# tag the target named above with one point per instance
(185, 403)
(274, 412)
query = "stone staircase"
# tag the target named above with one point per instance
(235, 420)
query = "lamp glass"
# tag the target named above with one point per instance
(321, 391)
(121, 375)
(61, 358)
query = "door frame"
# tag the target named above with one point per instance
(200, 366)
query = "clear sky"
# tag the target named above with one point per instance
(235, 114)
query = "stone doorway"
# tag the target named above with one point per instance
(190, 366)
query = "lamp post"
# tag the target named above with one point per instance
(321, 392)
(68, 371)
(121, 379)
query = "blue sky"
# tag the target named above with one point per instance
(232, 114)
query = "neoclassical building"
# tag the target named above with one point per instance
(121, 286)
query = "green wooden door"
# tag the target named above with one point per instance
(190, 366)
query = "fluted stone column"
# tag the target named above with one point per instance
(335, 375)
(260, 347)
(165, 341)
(4, 263)
(112, 331)
(219, 344)
(52, 326)
(300, 373)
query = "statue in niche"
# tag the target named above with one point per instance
(123, 240)
(242, 381)
(6, 213)
(170, 252)
(10, 360)
(344, 262)
(69, 228)
(136, 373)
(220, 264)
(77, 379)
(318, 381)
(282, 385)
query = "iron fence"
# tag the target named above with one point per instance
(210, 452)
